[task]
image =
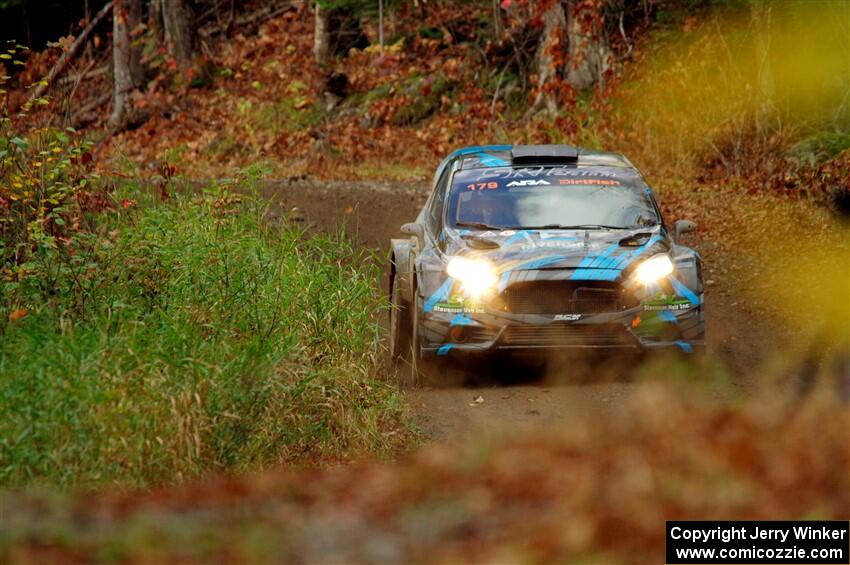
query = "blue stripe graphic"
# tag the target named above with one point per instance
(603, 257)
(682, 290)
(533, 264)
(503, 281)
(490, 160)
(667, 316)
(588, 259)
(477, 149)
(442, 293)
(611, 261)
(461, 320)
(585, 269)
(538, 263)
(626, 259)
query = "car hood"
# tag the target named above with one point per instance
(517, 250)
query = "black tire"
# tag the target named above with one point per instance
(399, 324)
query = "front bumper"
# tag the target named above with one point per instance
(445, 333)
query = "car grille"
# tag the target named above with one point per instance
(566, 335)
(562, 297)
(477, 334)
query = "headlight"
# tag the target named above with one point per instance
(653, 269)
(476, 276)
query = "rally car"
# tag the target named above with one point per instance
(535, 247)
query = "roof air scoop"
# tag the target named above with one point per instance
(543, 155)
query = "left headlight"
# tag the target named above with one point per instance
(654, 269)
(477, 276)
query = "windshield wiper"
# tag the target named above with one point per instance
(477, 225)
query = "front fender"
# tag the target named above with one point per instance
(689, 266)
(401, 265)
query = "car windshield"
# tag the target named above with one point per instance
(550, 197)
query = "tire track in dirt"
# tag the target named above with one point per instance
(504, 398)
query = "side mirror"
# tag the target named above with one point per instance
(682, 227)
(416, 230)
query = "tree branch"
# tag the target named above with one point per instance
(69, 54)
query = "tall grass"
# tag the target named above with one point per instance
(192, 336)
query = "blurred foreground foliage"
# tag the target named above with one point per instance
(596, 491)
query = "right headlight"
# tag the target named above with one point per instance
(654, 269)
(476, 276)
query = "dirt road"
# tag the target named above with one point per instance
(508, 398)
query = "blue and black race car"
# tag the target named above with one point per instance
(537, 247)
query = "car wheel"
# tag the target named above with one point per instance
(414, 376)
(399, 324)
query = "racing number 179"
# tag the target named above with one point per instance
(482, 185)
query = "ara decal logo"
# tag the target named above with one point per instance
(527, 182)
(566, 317)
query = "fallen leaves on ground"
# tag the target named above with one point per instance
(598, 490)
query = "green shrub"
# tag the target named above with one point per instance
(289, 114)
(46, 191)
(423, 101)
(818, 148)
(192, 336)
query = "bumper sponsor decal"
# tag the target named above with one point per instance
(663, 302)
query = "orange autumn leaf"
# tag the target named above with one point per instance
(16, 315)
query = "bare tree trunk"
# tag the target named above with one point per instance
(589, 52)
(125, 60)
(155, 23)
(179, 22)
(321, 35)
(134, 27)
(760, 13)
(548, 57)
(381, 25)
